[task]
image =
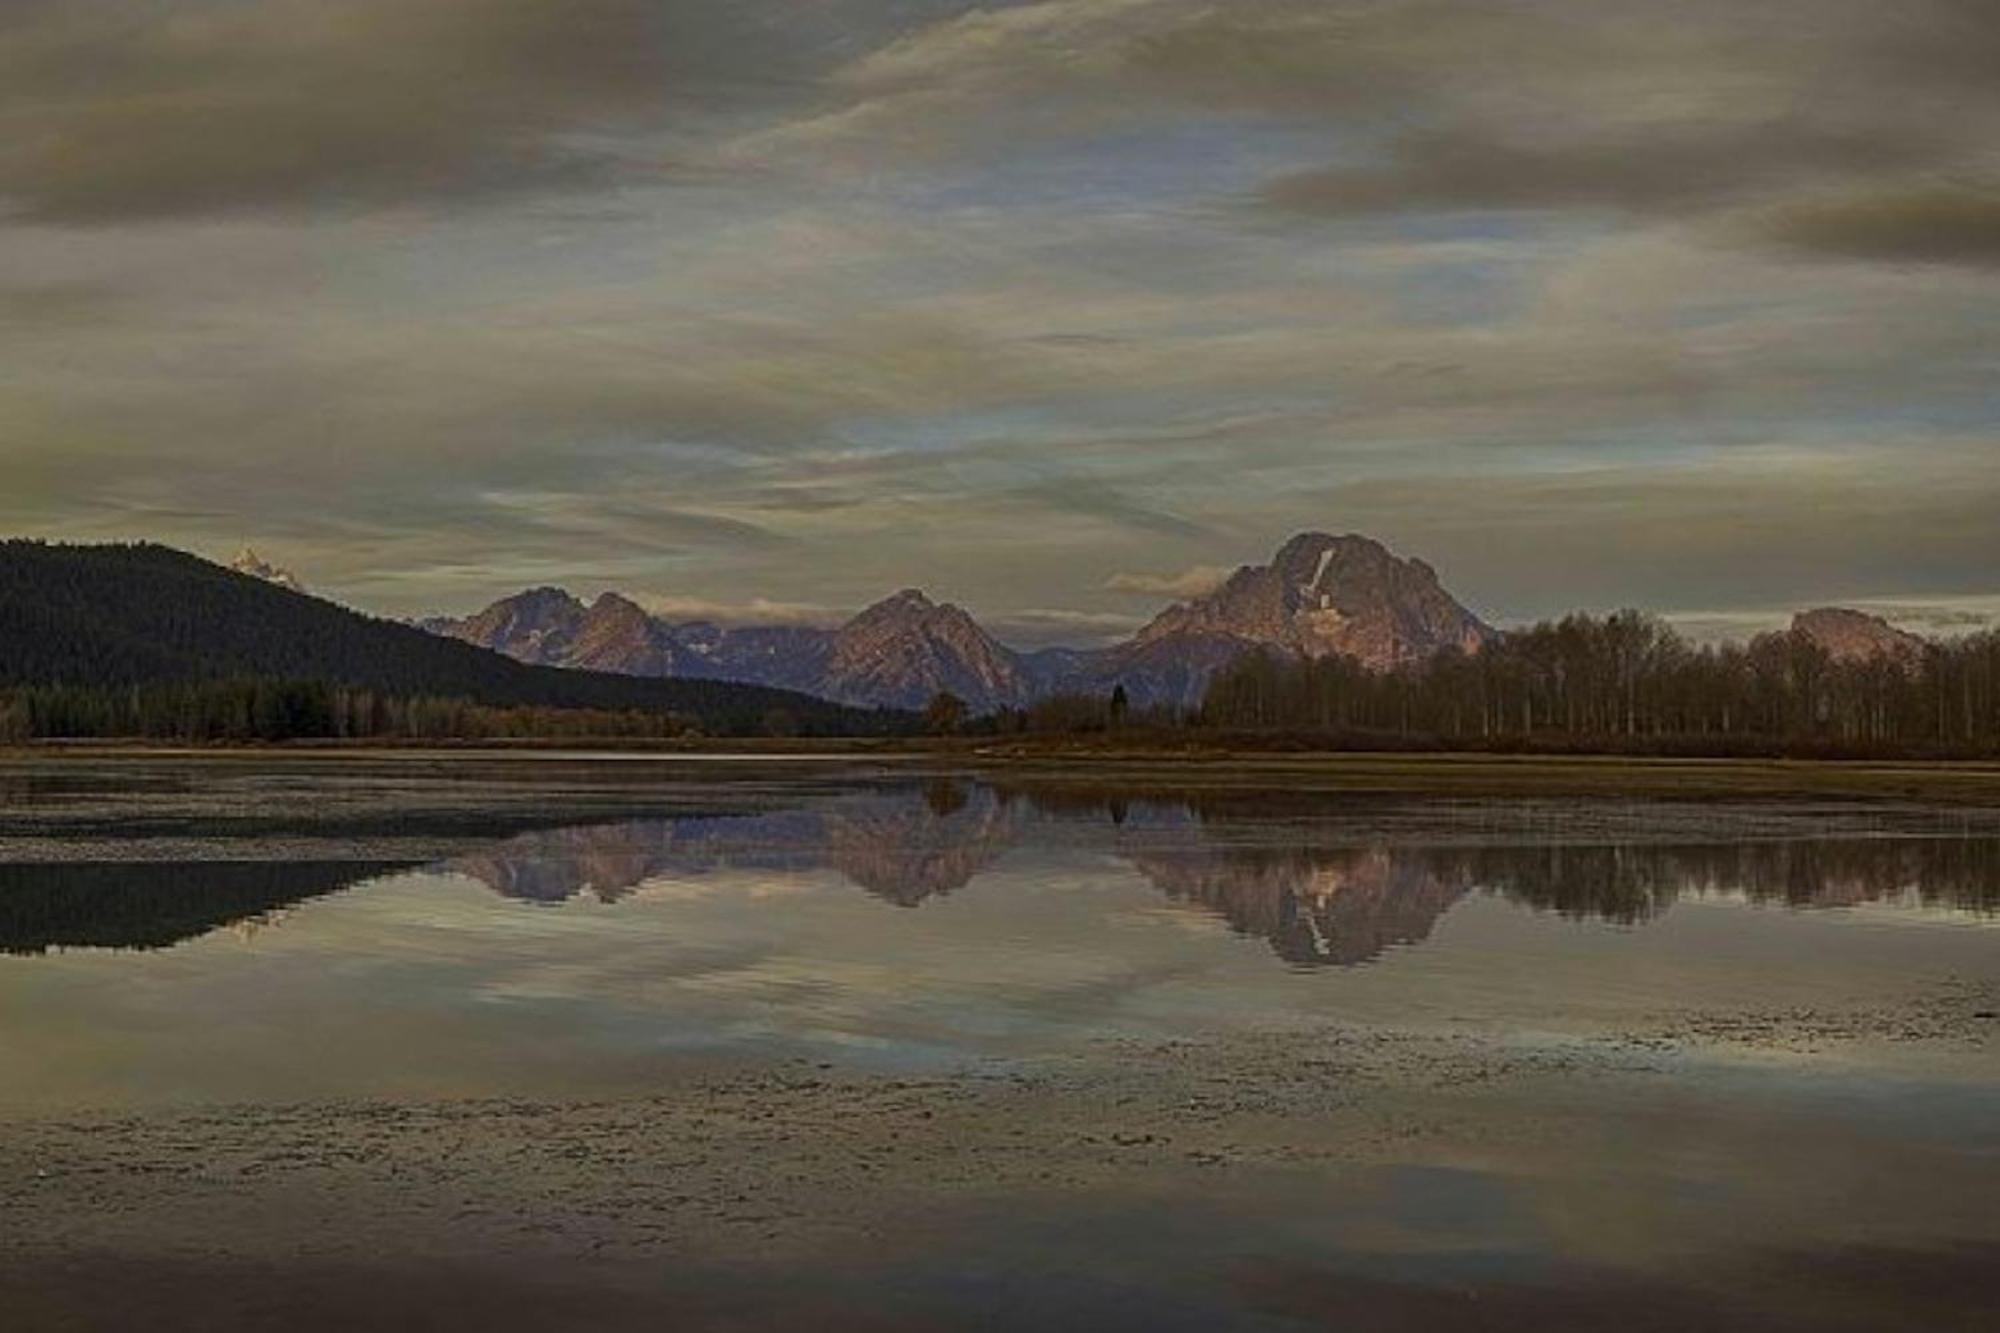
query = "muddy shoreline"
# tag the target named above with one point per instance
(669, 1205)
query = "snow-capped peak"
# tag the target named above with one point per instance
(249, 562)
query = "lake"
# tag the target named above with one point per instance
(584, 1041)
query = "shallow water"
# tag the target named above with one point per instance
(1669, 1019)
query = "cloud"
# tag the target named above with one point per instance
(1940, 619)
(1660, 171)
(631, 523)
(43, 305)
(752, 611)
(1757, 526)
(1452, 106)
(811, 301)
(1196, 581)
(1096, 499)
(1936, 224)
(1039, 627)
(115, 109)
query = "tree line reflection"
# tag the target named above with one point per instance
(154, 905)
(1324, 886)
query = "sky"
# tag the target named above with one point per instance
(768, 308)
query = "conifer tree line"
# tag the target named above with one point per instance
(1629, 682)
(209, 711)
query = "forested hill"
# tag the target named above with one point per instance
(120, 615)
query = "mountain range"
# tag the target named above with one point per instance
(1320, 594)
(135, 614)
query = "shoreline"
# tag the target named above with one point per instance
(1144, 771)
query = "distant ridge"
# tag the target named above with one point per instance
(898, 653)
(1320, 594)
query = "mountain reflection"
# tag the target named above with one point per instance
(1325, 881)
(1316, 907)
(903, 847)
(1320, 896)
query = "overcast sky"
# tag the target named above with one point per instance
(1050, 308)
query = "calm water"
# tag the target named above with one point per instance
(910, 922)
(1811, 987)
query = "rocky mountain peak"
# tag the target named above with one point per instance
(1847, 635)
(1316, 563)
(910, 602)
(542, 601)
(1321, 594)
(913, 612)
(1307, 556)
(907, 648)
(612, 604)
(536, 626)
(617, 634)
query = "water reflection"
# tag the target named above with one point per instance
(153, 905)
(1316, 906)
(1322, 892)
(903, 847)
(1325, 883)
